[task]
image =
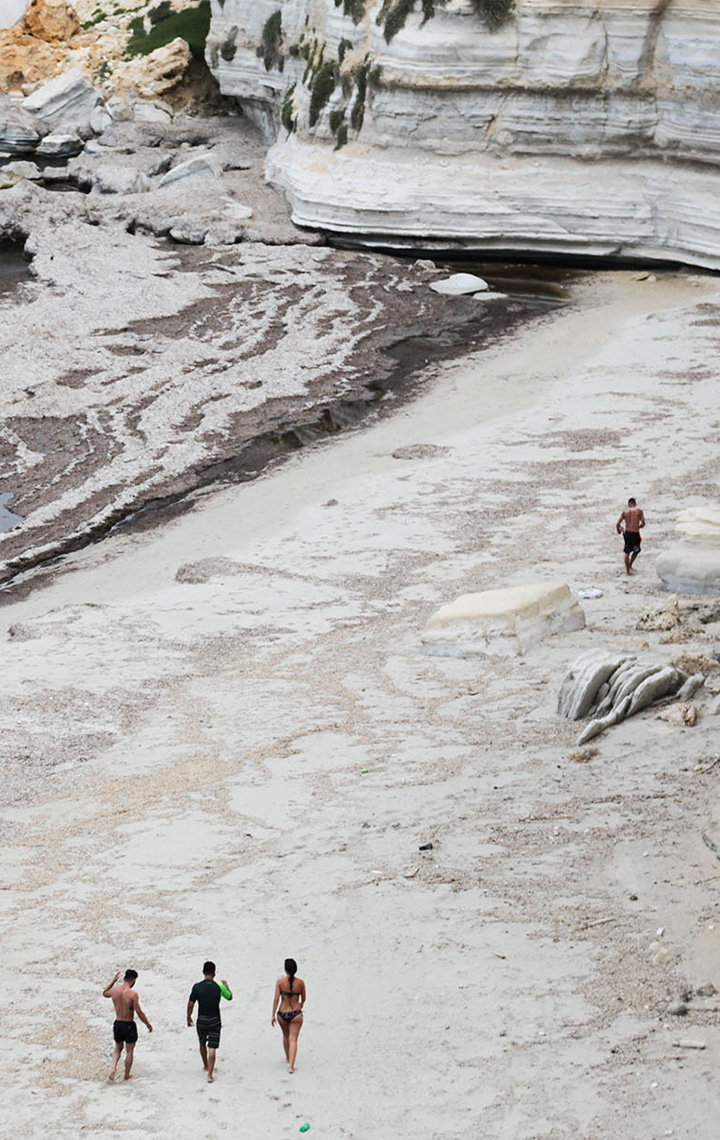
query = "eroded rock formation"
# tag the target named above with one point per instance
(590, 126)
(692, 565)
(612, 687)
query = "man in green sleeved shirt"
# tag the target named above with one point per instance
(207, 994)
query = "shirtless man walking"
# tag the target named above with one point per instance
(127, 1004)
(629, 524)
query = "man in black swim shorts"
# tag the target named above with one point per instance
(207, 994)
(125, 1032)
(629, 524)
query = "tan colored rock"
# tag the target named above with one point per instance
(26, 61)
(153, 75)
(682, 715)
(502, 622)
(696, 663)
(54, 21)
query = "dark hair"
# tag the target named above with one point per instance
(632, 503)
(209, 968)
(290, 970)
(130, 975)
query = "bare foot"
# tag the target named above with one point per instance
(112, 1075)
(291, 1069)
(131, 1078)
(211, 1080)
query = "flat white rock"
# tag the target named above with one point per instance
(69, 99)
(700, 524)
(60, 144)
(502, 622)
(690, 569)
(199, 165)
(150, 113)
(458, 284)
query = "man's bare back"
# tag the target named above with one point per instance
(127, 1004)
(629, 524)
(633, 519)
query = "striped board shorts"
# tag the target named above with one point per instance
(208, 1031)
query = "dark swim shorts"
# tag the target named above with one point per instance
(125, 1032)
(632, 542)
(208, 1031)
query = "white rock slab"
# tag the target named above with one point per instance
(203, 165)
(690, 569)
(150, 113)
(23, 170)
(68, 99)
(100, 120)
(700, 524)
(111, 179)
(20, 132)
(458, 284)
(502, 622)
(60, 144)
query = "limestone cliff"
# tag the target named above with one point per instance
(580, 126)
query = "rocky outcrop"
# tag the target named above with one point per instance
(692, 566)
(111, 46)
(587, 127)
(52, 20)
(68, 100)
(502, 622)
(20, 131)
(153, 76)
(612, 688)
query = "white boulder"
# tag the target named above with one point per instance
(68, 99)
(150, 113)
(692, 566)
(502, 622)
(119, 109)
(60, 143)
(23, 170)
(459, 284)
(20, 132)
(99, 119)
(111, 179)
(201, 165)
(690, 569)
(700, 524)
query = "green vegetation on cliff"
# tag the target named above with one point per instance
(191, 25)
(394, 13)
(355, 9)
(270, 50)
(321, 88)
(494, 12)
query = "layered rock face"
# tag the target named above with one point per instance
(692, 566)
(579, 127)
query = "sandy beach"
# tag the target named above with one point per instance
(221, 738)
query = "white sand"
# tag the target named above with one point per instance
(244, 766)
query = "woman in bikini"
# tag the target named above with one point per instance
(290, 996)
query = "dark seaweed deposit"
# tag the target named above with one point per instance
(398, 332)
